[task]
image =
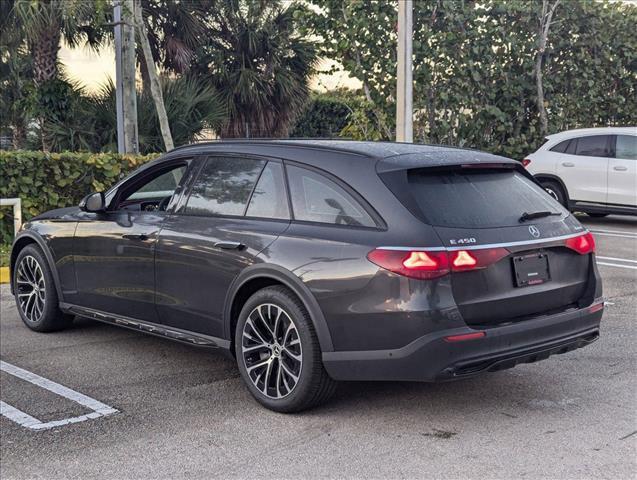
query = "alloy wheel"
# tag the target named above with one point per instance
(31, 289)
(271, 350)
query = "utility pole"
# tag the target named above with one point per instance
(125, 65)
(404, 97)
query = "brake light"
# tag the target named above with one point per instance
(414, 264)
(433, 264)
(462, 260)
(526, 162)
(584, 244)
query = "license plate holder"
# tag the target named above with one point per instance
(531, 269)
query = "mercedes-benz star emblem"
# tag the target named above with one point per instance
(533, 230)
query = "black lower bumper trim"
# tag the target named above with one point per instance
(510, 360)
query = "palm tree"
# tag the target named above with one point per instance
(46, 22)
(258, 63)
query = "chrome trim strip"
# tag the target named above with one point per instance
(488, 245)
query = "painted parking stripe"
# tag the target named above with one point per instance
(617, 259)
(631, 267)
(613, 235)
(98, 408)
(596, 230)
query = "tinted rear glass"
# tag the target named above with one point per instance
(478, 199)
(595, 146)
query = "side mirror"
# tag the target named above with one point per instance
(93, 202)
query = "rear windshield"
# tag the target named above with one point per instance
(479, 199)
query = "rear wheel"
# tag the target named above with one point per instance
(554, 190)
(35, 294)
(278, 353)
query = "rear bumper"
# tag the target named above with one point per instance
(432, 358)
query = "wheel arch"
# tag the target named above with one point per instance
(29, 238)
(262, 275)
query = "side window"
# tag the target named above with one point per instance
(154, 191)
(626, 147)
(593, 146)
(316, 198)
(223, 186)
(269, 199)
(560, 147)
(572, 145)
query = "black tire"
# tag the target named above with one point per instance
(597, 215)
(49, 317)
(314, 386)
(555, 190)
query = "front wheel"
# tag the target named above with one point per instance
(35, 294)
(278, 353)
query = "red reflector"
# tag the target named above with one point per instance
(526, 162)
(583, 244)
(596, 307)
(465, 336)
(414, 264)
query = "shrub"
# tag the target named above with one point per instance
(44, 181)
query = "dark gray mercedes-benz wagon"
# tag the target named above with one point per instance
(316, 261)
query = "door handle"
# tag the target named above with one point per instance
(230, 245)
(620, 168)
(568, 164)
(142, 237)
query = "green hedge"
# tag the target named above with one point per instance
(44, 181)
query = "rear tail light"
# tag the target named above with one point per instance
(583, 244)
(433, 264)
(525, 162)
(415, 264)
(462, 260)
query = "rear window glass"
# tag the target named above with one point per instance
(626, 147)
(315, 198)
(478, 199)
(560, 147)
(594, 146)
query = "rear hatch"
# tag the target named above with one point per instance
(511, 266)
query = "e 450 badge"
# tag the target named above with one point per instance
(462, 241)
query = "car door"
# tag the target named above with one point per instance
(622, 171)
(114, 250)
(236, 207)
(583, 167)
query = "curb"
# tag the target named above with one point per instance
(4, 274)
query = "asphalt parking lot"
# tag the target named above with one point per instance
(184, 412)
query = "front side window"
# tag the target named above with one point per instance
(315, 198)
(626, 147)
(593, 146)
(224, 186)
(154, 191)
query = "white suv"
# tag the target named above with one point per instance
(592, 170)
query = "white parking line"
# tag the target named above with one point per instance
(603, 234)
(612, 231)
(99, 409)
(631, 267)
(617, 259)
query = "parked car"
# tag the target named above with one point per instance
(316, 261)
(592, 170)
